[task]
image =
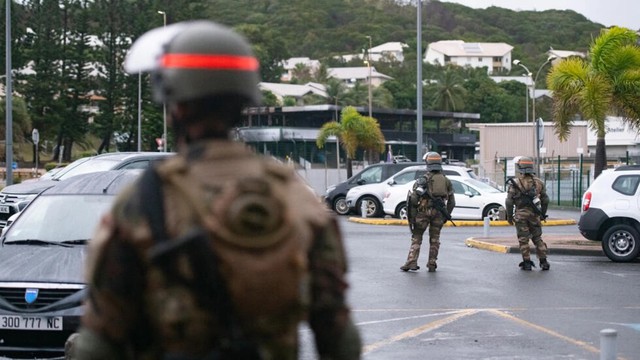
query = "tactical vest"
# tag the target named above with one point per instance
(438, 184)
(528, 187)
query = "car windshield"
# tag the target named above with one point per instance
(59, 218)
(87, 166)
(482, 186)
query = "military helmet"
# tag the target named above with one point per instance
(433, 160)
(524, 165)
(196, 59)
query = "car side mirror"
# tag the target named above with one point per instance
(469, 194)
(361, 182)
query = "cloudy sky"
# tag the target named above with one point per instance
(625, 13)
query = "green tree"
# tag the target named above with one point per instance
(607, 83)
(354, 131)
(449, 91)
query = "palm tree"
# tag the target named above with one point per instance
(353, 131)
(608, 83)
(449, 91)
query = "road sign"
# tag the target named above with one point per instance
(35, 136)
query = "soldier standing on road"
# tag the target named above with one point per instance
(429, 205)
(216, 253)
(526, 207)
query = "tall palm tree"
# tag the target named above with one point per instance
(353, 131)
(449, 91)
(608, 83)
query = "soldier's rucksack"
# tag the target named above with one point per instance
(437, 184)
(260, 240)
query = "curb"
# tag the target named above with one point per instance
(553, 249)
(377, 221)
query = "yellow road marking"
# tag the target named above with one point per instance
(417, 331)
(547, 331)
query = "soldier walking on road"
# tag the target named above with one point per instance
(429, 205)
(216, 253)
(526, 207)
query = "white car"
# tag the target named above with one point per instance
(372, 195)
(475, 200)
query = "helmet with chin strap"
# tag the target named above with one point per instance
(524, 165)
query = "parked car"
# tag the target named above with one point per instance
(42, 263)
(475, 200)
(335, 195)
(611, 213)
(13, 197)
(372, 195)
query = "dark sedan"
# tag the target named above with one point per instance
(42, 263)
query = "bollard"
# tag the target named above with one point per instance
(486, 226)
(363, 209)
(608, 344)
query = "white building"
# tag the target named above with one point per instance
(290, 65)
(293, 90)
(389, 51)
(495, 57)
(351, 75)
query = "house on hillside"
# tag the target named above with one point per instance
(282, 91)
(496, 57)
(563, 54)
(352, 75)
(290, 65)
(389, 51)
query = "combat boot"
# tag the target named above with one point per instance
(432, 266)
(410, 266)
(544, 264)
(526, 265)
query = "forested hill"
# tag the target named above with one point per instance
(321, 28)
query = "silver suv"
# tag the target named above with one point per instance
(611, 212)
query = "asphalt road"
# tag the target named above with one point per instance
(479, 305)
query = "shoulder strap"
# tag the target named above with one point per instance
(152, 202)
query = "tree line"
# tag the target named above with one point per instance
(67, 57)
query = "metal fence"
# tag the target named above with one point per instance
(566, 179)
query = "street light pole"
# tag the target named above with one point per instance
(164, 104)
(533, 111)
(369, 64)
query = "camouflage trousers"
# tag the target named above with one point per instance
(530, 227)
(434, 223)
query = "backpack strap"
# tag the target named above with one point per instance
(152, 201)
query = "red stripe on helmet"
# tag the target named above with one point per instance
(210, 62)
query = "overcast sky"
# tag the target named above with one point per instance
(625, 13)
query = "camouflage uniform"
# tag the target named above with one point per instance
(521, 212)
(422, 215)
(135, 312)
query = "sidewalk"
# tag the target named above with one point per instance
(557, 244)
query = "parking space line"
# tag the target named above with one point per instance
(547, 331)
(419, 330)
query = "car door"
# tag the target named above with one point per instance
(467, 204)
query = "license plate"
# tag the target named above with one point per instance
(14, 322)
(5, 209)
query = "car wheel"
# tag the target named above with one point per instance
(620, 243)
(492, 212)
(371, 205)
(340, 206)
(401, 211)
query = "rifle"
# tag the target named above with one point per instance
(439, 204)
(529, 199)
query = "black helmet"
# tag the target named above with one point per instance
(524, 165)
(433, 160)
(197, 59)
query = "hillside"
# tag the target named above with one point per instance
(321, 28)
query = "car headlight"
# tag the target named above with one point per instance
(330, 189)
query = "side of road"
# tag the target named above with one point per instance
(557, 244)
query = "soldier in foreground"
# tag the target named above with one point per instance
(526, 207)
(429, 205)
(217, 253)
